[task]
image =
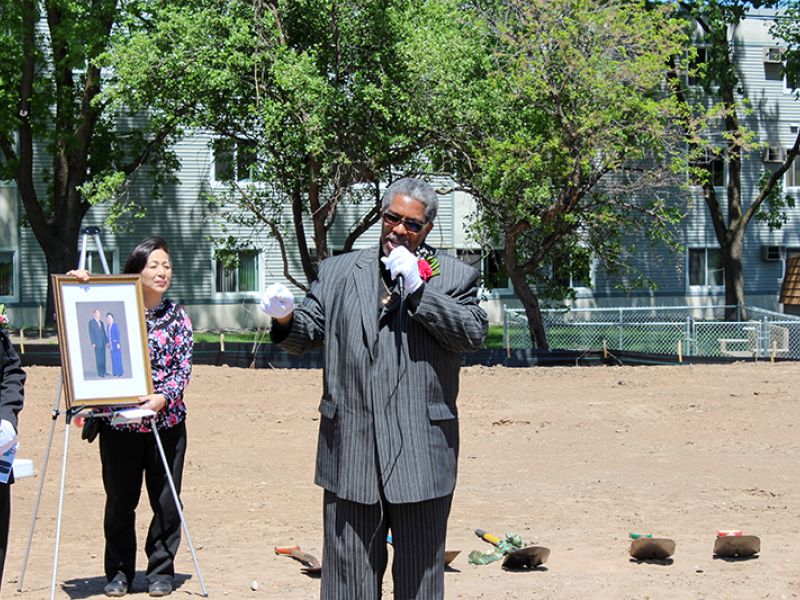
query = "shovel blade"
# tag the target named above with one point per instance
(526, 558)
(737, 546)
(652, 548)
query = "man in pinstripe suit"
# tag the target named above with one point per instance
(388, 439)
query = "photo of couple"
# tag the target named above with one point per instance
(104, 346)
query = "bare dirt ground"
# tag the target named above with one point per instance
(570, 458)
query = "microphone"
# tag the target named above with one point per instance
(401, 285)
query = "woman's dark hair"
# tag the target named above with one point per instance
(137, 260)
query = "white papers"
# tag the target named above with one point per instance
(131, 416)
(23, 467)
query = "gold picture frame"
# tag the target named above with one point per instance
(105, 361)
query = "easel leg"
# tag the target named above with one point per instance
(42, 474)
(60, 508)
(178, 505)
(86, 231)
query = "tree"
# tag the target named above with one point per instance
(717, 21)
(51, 105)
(571, 139)
(787, 29)
(324, 96)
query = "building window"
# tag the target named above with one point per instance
(705, 267)
(495, 275)
(564, 277)
(237, 272)
(6, 274)
(696, 66)
(711, 169)
(490, 265)
(234, 160)
(792, 176)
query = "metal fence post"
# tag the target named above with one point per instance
(766, 336)
(688, 335)
(506, 334)
(621, 336)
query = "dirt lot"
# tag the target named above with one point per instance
(570, 458)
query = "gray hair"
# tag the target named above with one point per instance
(419, 190)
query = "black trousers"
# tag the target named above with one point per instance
(127, 458)
(354, 555)
(5, 518)
(100, 359)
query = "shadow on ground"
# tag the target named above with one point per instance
(89, 587)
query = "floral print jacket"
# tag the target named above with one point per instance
(169, 337)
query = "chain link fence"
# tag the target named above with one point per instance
(687, 330)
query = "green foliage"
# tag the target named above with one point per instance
(787, 29)
(773, 210)
(329, 95)
(57, 127)
(105, 187)
(572, 140)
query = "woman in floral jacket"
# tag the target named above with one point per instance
(129, 453)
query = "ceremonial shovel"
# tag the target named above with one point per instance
(310, 563)
(733, 544)
(529, 557)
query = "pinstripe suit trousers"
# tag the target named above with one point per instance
(355, 551)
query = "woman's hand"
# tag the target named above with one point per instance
(81, 274)
(155, 402)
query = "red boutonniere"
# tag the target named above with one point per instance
(428, 265)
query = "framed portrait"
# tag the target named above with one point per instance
(102, 338)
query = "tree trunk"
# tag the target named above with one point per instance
(57, 236)
(61, 255)
(309, 268)
(529, 300)
(319, 214)
(734, 276)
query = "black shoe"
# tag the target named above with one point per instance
(117, 587)
(160, 588)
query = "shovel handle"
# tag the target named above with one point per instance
(488, 537)
(309, 560)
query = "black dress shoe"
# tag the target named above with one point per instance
(160, 588)
(117, 587)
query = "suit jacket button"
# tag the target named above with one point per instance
(431, 317)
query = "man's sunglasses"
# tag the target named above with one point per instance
(392, 219)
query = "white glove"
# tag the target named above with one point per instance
(8, 436)
(404, 264)
(277, 301)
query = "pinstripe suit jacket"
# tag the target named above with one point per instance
(388, 411)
